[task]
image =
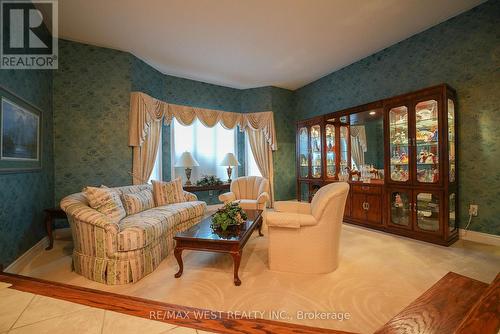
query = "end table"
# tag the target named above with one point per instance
(50, 215)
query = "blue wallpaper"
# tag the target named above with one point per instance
(23, 196)
(91, 104)
(463, 52)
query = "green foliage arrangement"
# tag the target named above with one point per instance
(231, 214)
(209, 180)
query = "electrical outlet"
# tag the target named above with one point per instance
(473, 208)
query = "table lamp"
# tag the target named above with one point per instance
(229, 161)
(187, 161)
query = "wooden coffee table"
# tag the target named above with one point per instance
(201, 237)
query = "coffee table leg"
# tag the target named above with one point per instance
(236, 260)
(178, 256)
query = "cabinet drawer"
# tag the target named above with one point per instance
(366, 189)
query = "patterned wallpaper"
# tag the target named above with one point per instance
(463, 52)
(23, 196)
(91, 104)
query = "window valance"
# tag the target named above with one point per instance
(145, 109)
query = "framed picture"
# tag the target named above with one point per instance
(20, 134)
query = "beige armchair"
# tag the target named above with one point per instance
(252, 192)
(303, 237)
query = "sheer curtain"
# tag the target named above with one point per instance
(156, 173)
(207, 145)
(251, 165)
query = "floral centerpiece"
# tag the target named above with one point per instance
(208, 180)
(231, 214)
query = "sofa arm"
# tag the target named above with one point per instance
(292, 206)
(190, 197)
(263, 198)
(78, 212)
(227, 197)
(75, 206)
(289, 220)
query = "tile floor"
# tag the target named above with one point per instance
(22, 312)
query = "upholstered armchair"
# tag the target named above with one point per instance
(252, 192)
(304, 237)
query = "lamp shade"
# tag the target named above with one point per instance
(229, 160)
(186, 160)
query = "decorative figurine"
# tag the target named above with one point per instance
(398, 201)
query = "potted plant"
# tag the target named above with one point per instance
(230, 215)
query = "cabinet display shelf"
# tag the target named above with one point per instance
(413, 198)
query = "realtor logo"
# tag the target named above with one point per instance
(29, 34)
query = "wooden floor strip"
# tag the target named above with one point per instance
(484, 317)
(206, 320)
(440, 309)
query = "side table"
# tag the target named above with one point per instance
(50, 215)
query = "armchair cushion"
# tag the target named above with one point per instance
(290, 220)
(292, 206)
(227, 197)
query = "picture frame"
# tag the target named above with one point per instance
(20, 134)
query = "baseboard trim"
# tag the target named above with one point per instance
(21, 262)
(484, 238)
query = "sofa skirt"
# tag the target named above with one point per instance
(131, 266)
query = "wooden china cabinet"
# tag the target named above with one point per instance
(399, 156)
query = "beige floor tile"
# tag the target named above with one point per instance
(181, 330)
(12, 304)
(203, 332)
(118, 323)
(4, 285)
(86, 321)
(42, 308)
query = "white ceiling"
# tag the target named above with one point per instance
(251, 43)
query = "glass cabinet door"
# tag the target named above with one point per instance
(398, 144)
(427, 206)
(344, 144)
(303, 152)
(304, 192)
(331, 167)
(451, 140)
(400, 208)
(427, 143)
(452, 222)
(316, 151)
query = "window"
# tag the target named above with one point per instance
(156, 174)
(207, 145)
(252, 169)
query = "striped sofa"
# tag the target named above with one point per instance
(125, 252)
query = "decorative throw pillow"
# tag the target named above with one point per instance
(106, 201)
(139, 201)
(168, 192)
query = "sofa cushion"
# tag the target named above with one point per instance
(106, 201)
(138, 202)
(168, 192)
(139, 230)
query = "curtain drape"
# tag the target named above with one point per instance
(357, 153)
(144, 156)
(263, 156)
(146, 111)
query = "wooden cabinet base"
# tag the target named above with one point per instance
(403, 232)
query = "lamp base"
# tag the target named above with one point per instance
(229, 172)
(188, 176)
